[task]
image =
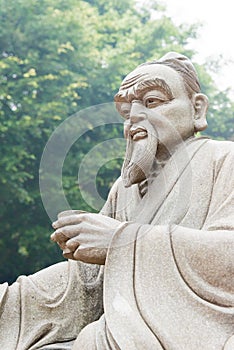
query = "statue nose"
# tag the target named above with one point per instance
(137, 113)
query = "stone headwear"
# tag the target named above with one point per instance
(184, 67)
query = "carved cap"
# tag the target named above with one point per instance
(185, 61)
(183, 66)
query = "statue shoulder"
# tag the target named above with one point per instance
(221, 149)
(222, 153)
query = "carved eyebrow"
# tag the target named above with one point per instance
(141, 88)
(121, 96)
(156, 83)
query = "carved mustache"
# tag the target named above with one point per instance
(138, 132)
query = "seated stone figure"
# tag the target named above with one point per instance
(163, 242)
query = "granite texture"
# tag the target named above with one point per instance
(165, 236)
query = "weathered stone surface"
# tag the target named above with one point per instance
(165, 235)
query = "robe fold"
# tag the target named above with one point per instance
(50, 306)
(169, 273)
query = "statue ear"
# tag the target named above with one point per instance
(200, 103)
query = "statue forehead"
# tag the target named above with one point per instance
(151, 71)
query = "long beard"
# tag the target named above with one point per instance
(140, 156)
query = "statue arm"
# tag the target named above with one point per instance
(205, 261)
(188, 276)
(205, 257)
(50, 306)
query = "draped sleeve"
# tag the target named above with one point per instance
(50, 306)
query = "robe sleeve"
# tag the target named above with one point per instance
(221, 210)
(205, 261)
(171, 284)
(50, 306)
(205, 257)
(54, 304)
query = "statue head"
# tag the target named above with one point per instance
(162, 106)
(184, 67)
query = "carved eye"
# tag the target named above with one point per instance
(152, 102)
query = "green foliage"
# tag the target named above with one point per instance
(221, 117)
(57, 57)
(220, 113)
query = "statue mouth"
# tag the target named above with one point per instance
(138, 133)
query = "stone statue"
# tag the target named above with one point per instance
(165, 237)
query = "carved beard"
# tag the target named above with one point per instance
(140, 155)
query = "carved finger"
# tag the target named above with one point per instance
(66, 221)
(90, 255)
(68, 217)
(67, 232)
(58, 237)
(70, 212)
(67, 253)
(73, 243)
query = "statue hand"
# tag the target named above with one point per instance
(84, 236)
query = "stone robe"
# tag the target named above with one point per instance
(48, 309)
(169, 273)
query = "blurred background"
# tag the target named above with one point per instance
(58, 57)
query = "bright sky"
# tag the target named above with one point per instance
(216, 35)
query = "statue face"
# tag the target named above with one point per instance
(157, 93)
(158, 116)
